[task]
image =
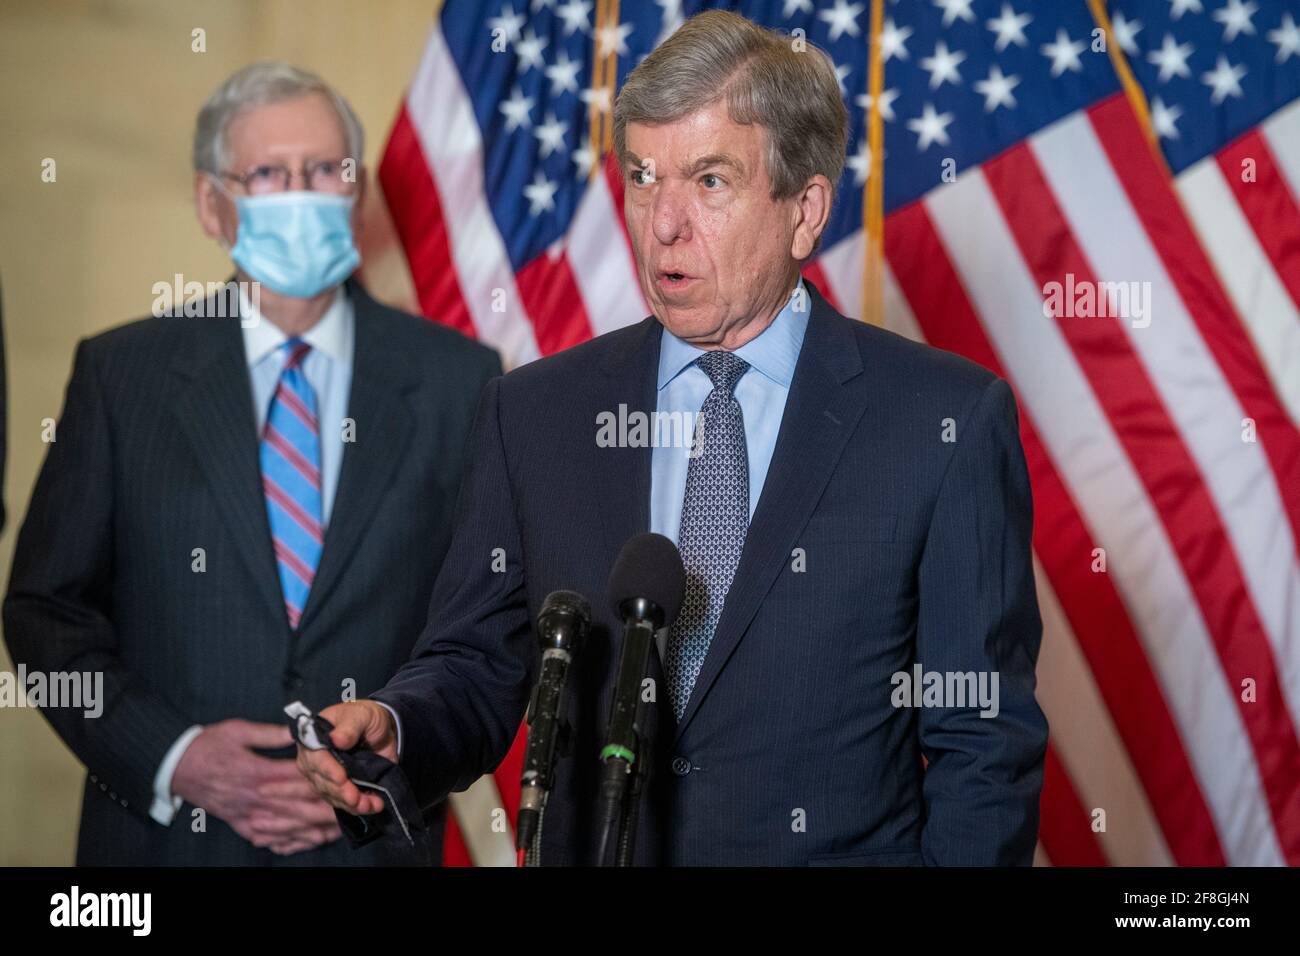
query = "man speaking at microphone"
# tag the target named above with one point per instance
(838, 542)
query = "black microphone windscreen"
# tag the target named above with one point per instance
(570, 601)
(649, 567)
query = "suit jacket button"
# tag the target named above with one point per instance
(94, 779)
(681, 766)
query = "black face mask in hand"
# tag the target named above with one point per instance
(400, 823)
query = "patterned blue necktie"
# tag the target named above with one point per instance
(715, 520)
(291, 480)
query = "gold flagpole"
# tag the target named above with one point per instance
(604, 78)
(611, 77)
(1132, 89)
(873, 197)
(596, 134)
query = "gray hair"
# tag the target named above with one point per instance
(260, 84)
(765, 77)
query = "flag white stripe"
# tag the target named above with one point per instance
(1193, 388)
(443, 118)
(602, 263)
(842, 265)
(1115, 504)
(898, 314)
(475, 808)
(1282, 133)
(1265, 306)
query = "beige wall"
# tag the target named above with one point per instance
(109, 90)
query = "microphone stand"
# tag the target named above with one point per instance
(618, 799)
(630, 811)
(561, 626)
(532, 853)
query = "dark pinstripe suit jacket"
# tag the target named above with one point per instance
(157, 455)
(916, 550)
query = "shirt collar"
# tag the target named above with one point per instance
(773, 352)
(331, 335)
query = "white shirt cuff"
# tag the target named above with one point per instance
(165, 804)
(397, 722)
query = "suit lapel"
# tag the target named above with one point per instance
(215, 409)
(384, 422)
(621, 475)
(821, 412)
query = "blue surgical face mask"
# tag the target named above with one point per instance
(296, 243)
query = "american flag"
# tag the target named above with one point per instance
(1097, 201)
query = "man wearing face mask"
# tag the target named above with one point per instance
(246, 505)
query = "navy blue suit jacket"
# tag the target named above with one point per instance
(876, 544)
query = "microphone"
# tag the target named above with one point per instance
(561, 630)
(645, 588)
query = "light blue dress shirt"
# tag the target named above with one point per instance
(328, 368)
(761, 391)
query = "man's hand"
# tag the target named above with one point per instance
(264, 800)
(361, 721)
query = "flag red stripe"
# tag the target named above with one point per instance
(1170, 232)
(550, 296)
(413, 203)
(1268, 204)
(1091, 603)
(1172, 479)
(509, 772)
(455, 852)
(1065, 825)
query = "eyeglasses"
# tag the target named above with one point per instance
(325, 176)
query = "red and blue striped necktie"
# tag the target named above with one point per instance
(290, 459)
